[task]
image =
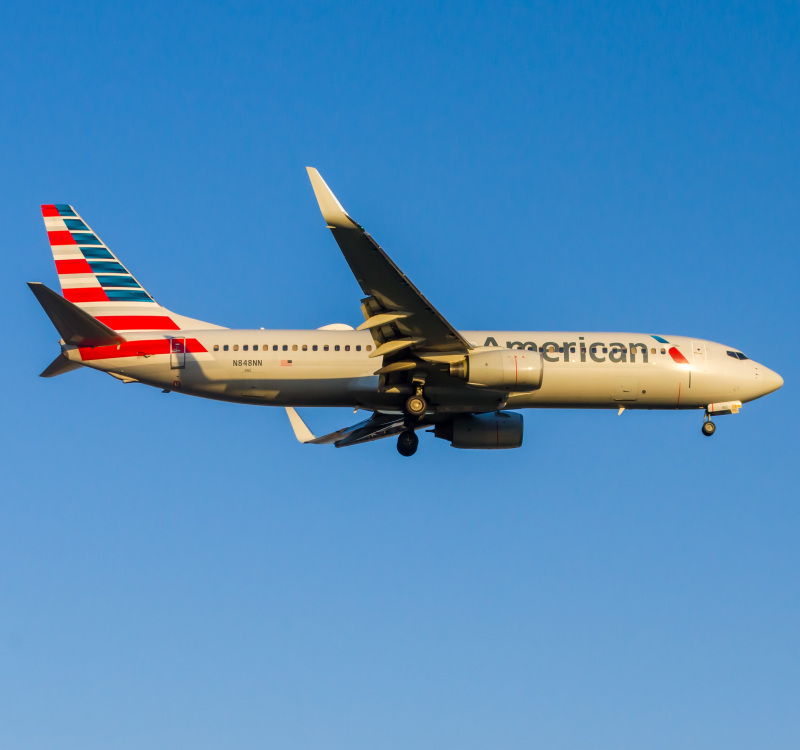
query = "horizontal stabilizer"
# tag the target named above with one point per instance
(59, 366)
(76, 326)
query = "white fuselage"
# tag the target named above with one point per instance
(334, 368)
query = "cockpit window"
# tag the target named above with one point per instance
(736, 355)
(741, 356)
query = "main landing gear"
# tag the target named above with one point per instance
(407, 442)
(709, 428)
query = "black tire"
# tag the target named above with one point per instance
(709, 428)
(416, 406)
(407, 442)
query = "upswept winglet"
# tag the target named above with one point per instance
(332, 211)
(301, 431)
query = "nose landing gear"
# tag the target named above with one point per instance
(709, 428)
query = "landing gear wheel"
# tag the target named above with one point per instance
(416, 406)
(709, 428)
(407, 442)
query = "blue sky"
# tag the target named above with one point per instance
(182, 573)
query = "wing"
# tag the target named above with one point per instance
(378, 426)
(398, 315)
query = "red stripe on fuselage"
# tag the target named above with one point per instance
(86, 294)
(139, 322)
(73, 265)
(678, 357)
(61, 238)
(136, 349)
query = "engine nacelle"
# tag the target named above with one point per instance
(502, 429)
(509, 369)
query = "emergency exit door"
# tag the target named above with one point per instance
(177, 354)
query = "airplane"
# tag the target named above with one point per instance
(405, 364)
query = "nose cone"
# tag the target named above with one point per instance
(769, 381)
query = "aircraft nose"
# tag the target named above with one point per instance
(769, 380)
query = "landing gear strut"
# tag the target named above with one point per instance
(407, 442)
(415, 407)
(416, 403)
(709, 428)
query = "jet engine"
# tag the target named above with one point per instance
(511, 369)
(501, 429)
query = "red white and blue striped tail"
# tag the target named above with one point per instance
(94, 279)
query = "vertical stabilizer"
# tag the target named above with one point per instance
(95, 280)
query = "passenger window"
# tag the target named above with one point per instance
(294, 347)
(605, 350)
(663, 350)
(225, 348)
(216, 347)
(314, 348)
(358, 347)
(305, 347)
(347, 347)
(653, 351)
(336, 348)
(274, 347)
(325, 348)
(286, 347)
(594, 350)
(572, 349)
(369, 347)
(244, 348)
(236, 347)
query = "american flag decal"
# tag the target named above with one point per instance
(286, 363)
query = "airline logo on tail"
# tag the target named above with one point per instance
(93, 278)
